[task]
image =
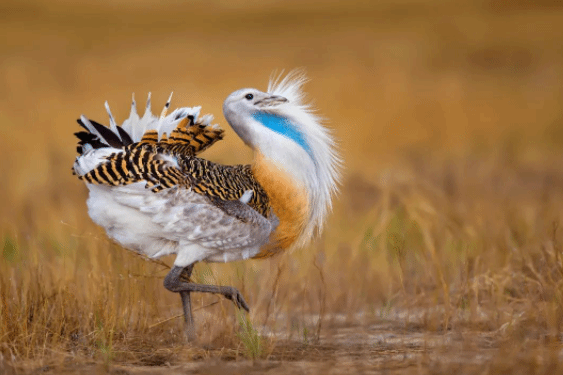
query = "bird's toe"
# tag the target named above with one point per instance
(234, 295)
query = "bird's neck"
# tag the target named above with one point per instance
(288, 198)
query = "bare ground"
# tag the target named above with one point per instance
(399, 343)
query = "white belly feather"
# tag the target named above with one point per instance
(174, 221)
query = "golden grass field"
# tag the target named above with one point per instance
(444, 250)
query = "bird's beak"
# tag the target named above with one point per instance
(271, 101)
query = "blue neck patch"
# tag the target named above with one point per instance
(283, 126)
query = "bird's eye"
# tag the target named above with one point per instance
(249, 96)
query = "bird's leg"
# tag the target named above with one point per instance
(173, 283)
(187, 306)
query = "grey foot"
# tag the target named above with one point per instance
(174, 283)
(234, 295)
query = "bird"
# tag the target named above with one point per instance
(153, 194)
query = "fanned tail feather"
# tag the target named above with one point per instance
(138, 164)
(181, 130)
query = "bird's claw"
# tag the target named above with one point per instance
(234, 295)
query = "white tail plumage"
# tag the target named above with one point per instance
(136, 126)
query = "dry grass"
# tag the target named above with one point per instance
(446, 234)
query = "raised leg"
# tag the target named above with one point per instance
(173, 283)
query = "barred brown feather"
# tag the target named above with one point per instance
(148, 160)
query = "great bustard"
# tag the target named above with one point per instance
(152, 194)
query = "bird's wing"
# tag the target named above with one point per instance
(188, 217)
(164, 157)
(161, 170)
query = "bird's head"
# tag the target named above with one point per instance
(281, 129)
(246, 110)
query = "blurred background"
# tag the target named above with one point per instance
(388, 75)
(448, 116)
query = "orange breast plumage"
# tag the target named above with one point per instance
(289, 202)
